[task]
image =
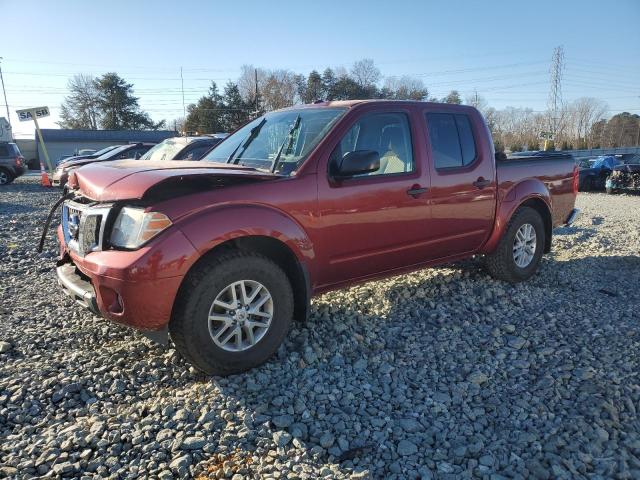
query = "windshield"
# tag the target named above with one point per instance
(104, 150)
(283, 139)
(113, 152)
(165, 150)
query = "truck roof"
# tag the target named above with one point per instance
(353, 103)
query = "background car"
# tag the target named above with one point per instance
(132, 150)
(184, 148)
(86, 151)
(12, 163)
(69, 158)
(594, 176)
(624, 177)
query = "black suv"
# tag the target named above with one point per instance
(12, 163)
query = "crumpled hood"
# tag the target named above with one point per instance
(130, 179)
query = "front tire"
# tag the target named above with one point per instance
(520, 249)
(232, 313)
(5, 177)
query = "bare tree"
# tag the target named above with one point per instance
(365, 73)
(81, 107)
(280, 90)
(477, 101)
(247, 83)
(405, 88)
(585, 112)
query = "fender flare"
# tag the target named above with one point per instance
(520, 193)
(216, 225)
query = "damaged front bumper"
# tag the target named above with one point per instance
(78, 286)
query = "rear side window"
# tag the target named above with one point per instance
(4, 151)
(452, 140)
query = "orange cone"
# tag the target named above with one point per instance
(44, 176)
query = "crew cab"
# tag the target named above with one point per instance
(223, 253)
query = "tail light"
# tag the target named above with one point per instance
(576, 180)
(19, 161)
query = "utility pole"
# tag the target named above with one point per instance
(555, 94)
(4, 92)
(184, 110)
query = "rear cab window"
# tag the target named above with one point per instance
(452, 141)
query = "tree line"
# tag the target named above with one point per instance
(105, 102)
(108, 102)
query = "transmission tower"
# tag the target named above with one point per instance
(555, 92)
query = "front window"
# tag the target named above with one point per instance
(386, 133)
(278, 141)
(163, 151)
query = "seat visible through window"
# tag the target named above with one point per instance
(386, 133)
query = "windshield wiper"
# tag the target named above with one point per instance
(252, 134)
(287, 141)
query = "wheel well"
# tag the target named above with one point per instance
(541, 207)
(7, 171)
(281, 254)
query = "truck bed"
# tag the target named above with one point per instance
(554, 171)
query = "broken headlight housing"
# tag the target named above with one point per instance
(134, 227)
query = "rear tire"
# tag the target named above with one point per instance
(509, 262)
(5, 177)
(193, 330)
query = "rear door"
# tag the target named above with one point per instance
(463, 186)
(377, 221)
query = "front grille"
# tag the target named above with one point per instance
(83, 226)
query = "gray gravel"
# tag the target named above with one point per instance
(444, 373)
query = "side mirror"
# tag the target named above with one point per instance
(357, 162)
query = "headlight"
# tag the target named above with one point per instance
(134, 226)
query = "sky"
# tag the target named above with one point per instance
(501, 49)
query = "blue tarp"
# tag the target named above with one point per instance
(607, 162)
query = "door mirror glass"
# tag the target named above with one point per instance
(358, 162)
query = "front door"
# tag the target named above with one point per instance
(376, 221)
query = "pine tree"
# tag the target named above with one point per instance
(328, 83)
(236, 110)
(453, 97)
(207, 115)
(119, 107)
(314, 87)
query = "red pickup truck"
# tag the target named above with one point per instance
(225, 252)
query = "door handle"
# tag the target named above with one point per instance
(481, 183)
(416, 190)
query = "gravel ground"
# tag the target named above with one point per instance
(444, 373)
